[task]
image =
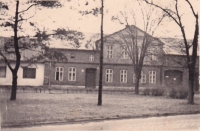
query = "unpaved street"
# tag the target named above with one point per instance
(181, 123)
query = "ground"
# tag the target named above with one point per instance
(169, 123)
(42, 108)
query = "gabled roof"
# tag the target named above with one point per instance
(7, 48)
(175, 46)
(74, 50)
(133, 27)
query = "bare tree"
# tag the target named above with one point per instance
(15, 22)
(176, 16)
(138, 44)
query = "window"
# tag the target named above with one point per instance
(143, 77)
(91, 58)
(124, 53)
(152, 52)
(133, 78)
(72, 74)
(139, 52)
(152, 77)
(72, 56)
(29, 72)
(110, 51)
(59, 73)
(123, 76)
(2, 71)
(146, 61)
(12, 56)
(109, 75)
(9, 44)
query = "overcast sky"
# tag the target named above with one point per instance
(70, 18)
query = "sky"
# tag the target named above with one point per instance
(68, 17)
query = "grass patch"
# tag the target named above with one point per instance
(31, 108)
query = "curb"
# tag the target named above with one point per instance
(72, 121)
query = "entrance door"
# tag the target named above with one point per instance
(90, 78)
(173, 78)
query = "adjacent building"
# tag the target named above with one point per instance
(30, 73)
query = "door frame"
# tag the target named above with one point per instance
(91, 69)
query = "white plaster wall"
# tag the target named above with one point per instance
(38, 81)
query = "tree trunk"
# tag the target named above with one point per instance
(192, 63)
(137, 77)
(191, 86)
(18, 56)
(14, 86)
(101, 61)
(137, 85)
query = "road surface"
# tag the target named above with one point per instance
(180, 123)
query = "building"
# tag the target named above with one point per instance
(161, 68)
(175, 66)
(82, 67)
(29, 74)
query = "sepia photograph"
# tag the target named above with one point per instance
(99, 65)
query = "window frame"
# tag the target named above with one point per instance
(152, 52)
(109, 75)
(70, 74)
(143, 77)
(110, 51)
(59, 71)
(25, 75)
(134, 78)
(123, 76)
(124, 54)
(72, 56)
(152, 77)
(5, 70)
(91, 58)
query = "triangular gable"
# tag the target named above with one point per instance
(126, 33)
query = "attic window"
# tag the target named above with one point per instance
(91, 58)
(72, 56)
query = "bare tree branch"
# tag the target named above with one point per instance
(165, 10)
(6, 61)
(28, 8)
(178, 22)
(26, 18)
(182, 30)
(191, 8)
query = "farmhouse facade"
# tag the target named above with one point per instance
(82, 67)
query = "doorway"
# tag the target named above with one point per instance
(90, 78)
